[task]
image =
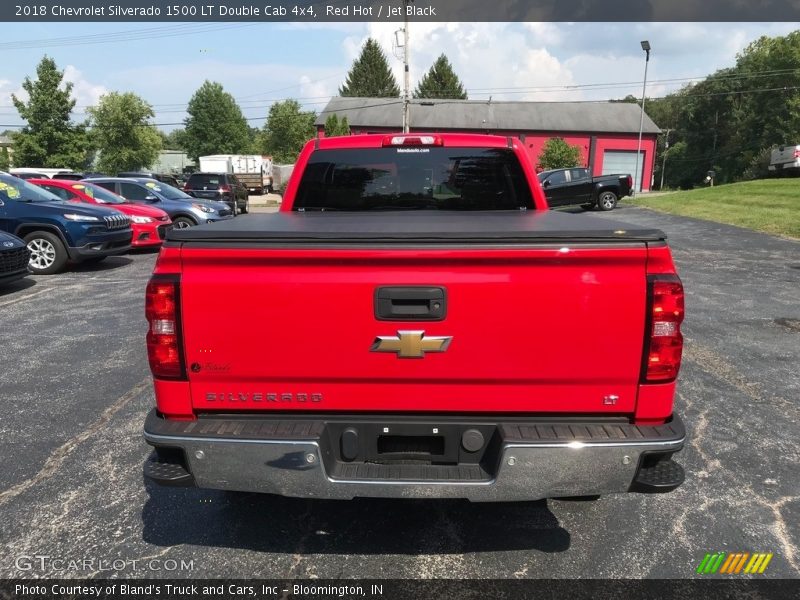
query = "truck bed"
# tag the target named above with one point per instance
(430, 227)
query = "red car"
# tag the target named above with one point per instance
(149, 224)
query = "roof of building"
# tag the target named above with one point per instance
(590, 117)
(6, 141)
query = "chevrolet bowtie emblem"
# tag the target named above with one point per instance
(411, 344)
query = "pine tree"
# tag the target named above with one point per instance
(49, 139)
(370, 75)
(440, 82)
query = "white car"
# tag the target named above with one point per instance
(785, 157)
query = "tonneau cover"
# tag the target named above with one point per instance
(404, 227)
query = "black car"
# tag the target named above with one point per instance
(14, 257)
(222, 187)
(162, 177)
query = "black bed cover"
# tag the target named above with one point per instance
(406, 227)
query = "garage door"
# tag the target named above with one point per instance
(620, 161)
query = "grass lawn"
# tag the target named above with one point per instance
(768, 205)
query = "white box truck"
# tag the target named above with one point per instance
(253, 170)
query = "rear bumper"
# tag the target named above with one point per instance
(522, 459)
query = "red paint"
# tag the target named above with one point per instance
(534, 330)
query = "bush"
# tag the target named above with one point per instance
(558, 154)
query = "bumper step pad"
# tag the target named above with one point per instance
(167, 473)
(663, 476)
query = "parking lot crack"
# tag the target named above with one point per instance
(60, 454)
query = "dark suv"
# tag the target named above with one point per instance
(14, 257)
(162, 177)
(56, 231)
(222, 187)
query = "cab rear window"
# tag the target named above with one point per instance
(413, 178)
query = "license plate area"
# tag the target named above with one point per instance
(397, 443)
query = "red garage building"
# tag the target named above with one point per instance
(606, 132)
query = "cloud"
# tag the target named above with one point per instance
(84, 92)
(486, 66)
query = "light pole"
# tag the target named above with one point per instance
(637, 175)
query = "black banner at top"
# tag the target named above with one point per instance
(316, 11)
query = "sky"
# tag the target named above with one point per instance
(259, 63)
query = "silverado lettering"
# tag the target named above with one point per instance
(262, 397)
(469, 342)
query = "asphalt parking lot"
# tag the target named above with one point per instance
(75, 388)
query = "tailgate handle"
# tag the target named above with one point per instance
(410, 303)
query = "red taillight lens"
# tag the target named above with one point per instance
(224, 188)
(630, 181)
(162, 309)
(797, 153)
(664, 344)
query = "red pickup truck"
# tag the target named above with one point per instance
(416, 323)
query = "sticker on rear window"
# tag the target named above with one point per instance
(10, 190)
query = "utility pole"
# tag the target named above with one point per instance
(664, 163)
(406, 74)
(637, 176)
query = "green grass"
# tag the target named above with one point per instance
(768, 205)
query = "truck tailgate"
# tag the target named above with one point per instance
(539, 313)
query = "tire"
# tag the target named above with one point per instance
(606, 200)
(246, 208)
(48, 254)
(183, 222)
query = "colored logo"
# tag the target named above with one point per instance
(411, 344)
(734, 563)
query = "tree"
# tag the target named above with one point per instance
(558, 154)
(286, 130)
(49, 139)
(333, 126)
(370, 75)
(215, 124)
(5, 159)
(174, 140)
(440, 82)
(123, 134)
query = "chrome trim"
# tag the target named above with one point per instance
(525, 471)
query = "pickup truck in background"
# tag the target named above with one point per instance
(415, 323)
(575, 186)
(785, 160)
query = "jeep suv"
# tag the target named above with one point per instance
(222, 187)
(56, 231)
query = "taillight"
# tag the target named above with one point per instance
(797, 153)
(664, 342)
(413, 140)
(224, 188)
(162, 309)
(186, 187)
(630, 181)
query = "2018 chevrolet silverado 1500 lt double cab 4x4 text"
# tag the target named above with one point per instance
(566, 187)
(415, 323)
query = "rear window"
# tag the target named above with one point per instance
(412, 178)
(206, 181)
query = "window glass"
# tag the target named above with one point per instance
(414, 177)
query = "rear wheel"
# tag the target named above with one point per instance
(48, 254)
(183, 223)
(606, 200)
(246, 208)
